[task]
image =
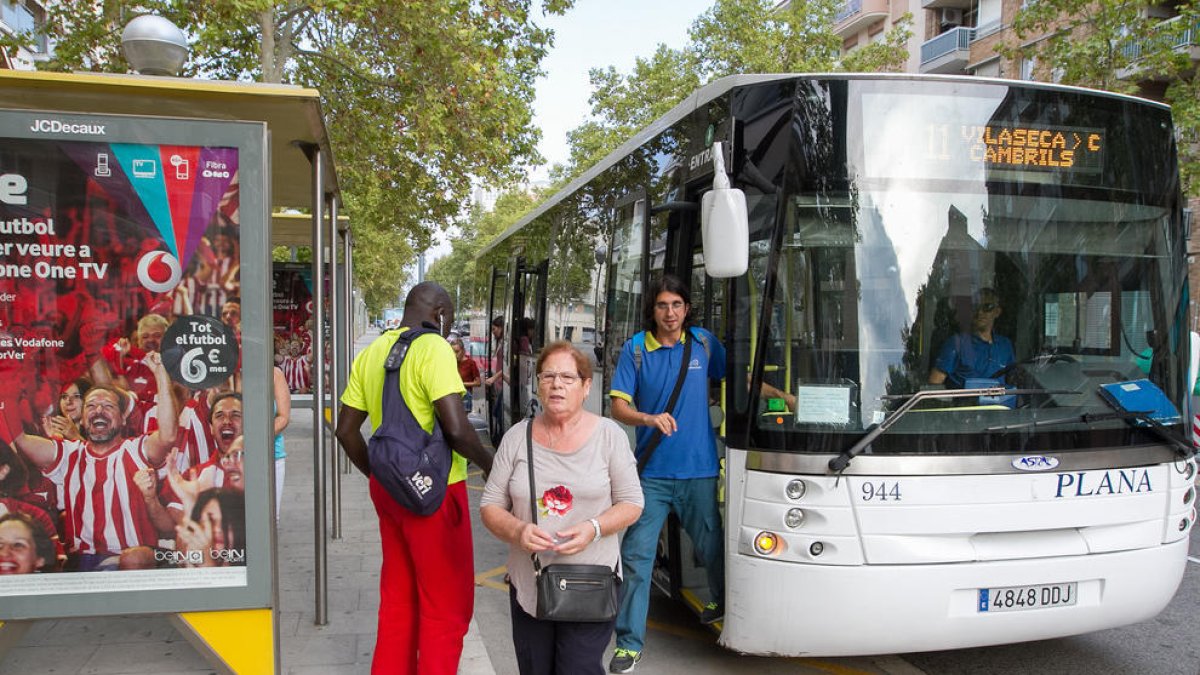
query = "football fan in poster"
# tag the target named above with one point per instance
(120, 377)
(292, 305)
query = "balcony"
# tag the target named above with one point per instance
(855, 15)
(949, 52)
(18, 19)
(938, 4)
(1178, 37)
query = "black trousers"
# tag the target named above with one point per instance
(558, 647)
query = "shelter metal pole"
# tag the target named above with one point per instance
(336, 347)
(348, 295)
(320, 564)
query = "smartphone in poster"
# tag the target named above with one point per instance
(121, 446)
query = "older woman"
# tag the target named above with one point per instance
(586, 477)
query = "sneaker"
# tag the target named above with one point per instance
(624, 660)
(712, 613)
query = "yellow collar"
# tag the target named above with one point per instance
(652, 342)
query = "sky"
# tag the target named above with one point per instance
(597, 34)
(594, 34)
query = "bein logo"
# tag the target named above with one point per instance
(194, 557)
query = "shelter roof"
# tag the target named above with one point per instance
(293, 116)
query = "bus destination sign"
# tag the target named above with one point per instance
(1022, 147)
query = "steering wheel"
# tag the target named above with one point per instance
(1043, 359)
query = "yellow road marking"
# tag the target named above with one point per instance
(486, 578)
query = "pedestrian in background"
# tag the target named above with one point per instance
(467, 370)
(283, 414)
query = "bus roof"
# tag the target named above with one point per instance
(292, 114)
(721, 86)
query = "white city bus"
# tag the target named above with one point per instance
(867, 510)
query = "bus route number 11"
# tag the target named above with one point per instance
(880, 492)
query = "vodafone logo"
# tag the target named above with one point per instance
(308, 306)
(159, 271)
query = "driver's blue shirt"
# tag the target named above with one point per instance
(970, 356)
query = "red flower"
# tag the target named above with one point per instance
(556, 501)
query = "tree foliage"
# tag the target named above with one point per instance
(732, 37)
(423, 99)
(1120, 46)
(456, 272)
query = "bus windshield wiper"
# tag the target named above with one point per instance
(1181, 445)
(839, 463)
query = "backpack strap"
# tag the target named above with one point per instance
(639, 345)
(395, 408)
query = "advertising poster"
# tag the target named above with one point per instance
(292, 307)
(121, 449)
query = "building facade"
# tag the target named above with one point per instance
(19, 17)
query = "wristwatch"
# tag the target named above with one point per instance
(596, 524)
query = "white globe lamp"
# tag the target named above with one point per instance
(154, 46)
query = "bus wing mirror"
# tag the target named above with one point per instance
(724, 224)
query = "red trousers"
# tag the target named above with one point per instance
(427, 586)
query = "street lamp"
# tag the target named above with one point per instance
(154, 46)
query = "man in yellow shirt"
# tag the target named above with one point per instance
(427, 585)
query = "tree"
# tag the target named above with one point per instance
(1116, 45)
(423, 99)
(456, 272)
(732, 37)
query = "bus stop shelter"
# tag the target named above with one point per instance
(302, 177)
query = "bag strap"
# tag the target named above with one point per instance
(537, 566)
(657, 437)
(396, 412)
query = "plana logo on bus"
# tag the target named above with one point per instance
(1035, 463)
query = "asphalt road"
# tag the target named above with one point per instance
(1169, 644)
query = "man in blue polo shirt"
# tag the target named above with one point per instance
(978, 354)
(681, 475)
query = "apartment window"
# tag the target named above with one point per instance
(990, 69)
(1028, 66)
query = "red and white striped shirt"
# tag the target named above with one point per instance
(194, 442)
(105, 512)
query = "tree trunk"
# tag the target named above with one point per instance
(266, 23)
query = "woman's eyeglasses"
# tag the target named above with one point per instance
(566, 378)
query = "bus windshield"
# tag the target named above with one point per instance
(989, 236)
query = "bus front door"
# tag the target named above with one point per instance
(527, 328)
(497, 355)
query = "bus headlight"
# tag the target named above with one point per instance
(794, 518)
(796, 490)
(1189, 495)
(816, 549)
(766, 543)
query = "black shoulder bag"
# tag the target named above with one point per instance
(412, 464)
(567, 592)
(657, 437)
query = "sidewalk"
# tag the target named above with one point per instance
(150, 644)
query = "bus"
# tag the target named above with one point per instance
(838, 231)
(392, 317)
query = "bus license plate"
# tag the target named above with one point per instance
(1016, 598)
